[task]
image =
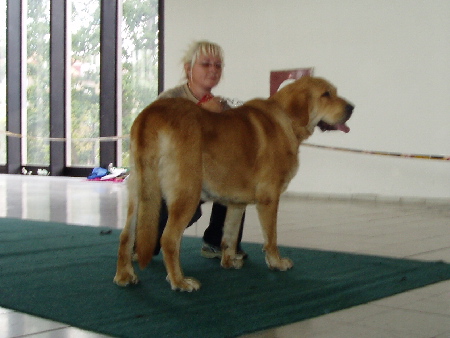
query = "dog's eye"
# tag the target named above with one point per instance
(326, 94)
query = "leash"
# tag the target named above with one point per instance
(381, 153)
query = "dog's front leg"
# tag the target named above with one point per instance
(230, 237)
(267, 213)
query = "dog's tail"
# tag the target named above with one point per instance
(149, 203)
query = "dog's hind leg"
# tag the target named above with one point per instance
(149, 197)
(267, 213)
(180, 213)
(125, 273)
(180, 174)
(230, 237)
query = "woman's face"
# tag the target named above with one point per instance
(206, 71)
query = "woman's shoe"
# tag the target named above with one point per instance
(213, 251)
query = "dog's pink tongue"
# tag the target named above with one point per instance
(343, 127)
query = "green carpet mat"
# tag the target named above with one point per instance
(65, 273)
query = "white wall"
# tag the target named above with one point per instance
(390, 58)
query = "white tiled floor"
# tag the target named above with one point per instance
(404, 230)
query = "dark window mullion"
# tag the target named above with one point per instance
(14, 83)
(108, 80)
(58, 15)
(160, 46)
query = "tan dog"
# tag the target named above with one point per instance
(246, 155)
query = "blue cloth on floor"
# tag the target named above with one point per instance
(98, 172)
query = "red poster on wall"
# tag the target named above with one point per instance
(280, 78)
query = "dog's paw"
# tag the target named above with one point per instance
(281, 264)
(125, 278)
(229, 262)
(188, 284)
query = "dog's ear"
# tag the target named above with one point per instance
(299, 108)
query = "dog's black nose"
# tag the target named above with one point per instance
(349, 109)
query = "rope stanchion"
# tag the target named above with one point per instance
(123, 137)
(381, 153)
(63, 139)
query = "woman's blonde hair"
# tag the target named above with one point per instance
(198, 48)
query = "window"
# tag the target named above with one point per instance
(83, 116)
(139, 29)
(36, 113)
(72, 113)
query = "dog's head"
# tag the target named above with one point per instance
(328, 111)
(314, 102)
